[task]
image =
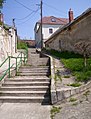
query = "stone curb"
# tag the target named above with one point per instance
(58, 95)
(61, 95)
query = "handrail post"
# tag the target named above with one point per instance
(9, 66)
(16, 66)
(21, 58)
(24, 59)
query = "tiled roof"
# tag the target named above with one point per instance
(53, 20)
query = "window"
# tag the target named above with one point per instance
(50, 30)
(53, 20)
(60, 44)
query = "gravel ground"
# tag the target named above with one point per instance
(76, 109)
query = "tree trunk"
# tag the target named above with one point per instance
(85, 61)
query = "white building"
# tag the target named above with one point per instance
(49, 25)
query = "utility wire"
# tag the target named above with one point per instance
(26, 16)
(29, 18)
(23, 5)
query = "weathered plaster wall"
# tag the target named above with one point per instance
(66, 39)
(7, 43)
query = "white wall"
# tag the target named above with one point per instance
(45, 32)
(46, 28)
(7, 43)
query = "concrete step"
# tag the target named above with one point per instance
(24, 93)
(41, 67)
(33, 74)
(27, 80)
(37, 64)
(29, 71)
(29, 77)
(26, 84)
(24, 88)
(10, 99)
(32, 84)
(33, 70)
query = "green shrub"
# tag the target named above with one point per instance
(21, 45)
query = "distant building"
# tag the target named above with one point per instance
(49, 25)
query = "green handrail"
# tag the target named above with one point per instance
(5, 73)
(20, 62)
(4, 62)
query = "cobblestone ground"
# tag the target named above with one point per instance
(76, 108)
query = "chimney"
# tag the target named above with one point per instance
(71, 18)
(1, 17)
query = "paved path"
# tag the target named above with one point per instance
(80, 109)
(24, 111)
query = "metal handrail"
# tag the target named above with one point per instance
(5, 73)
(17, 64)
(4, 62)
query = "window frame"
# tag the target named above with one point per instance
(50, 30)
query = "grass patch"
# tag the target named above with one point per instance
(74, 104)
(72, 100)
(66, 76)
(57, 77)
(86, 94)
(74, 84)
(54, 111)
(21, 45)
(75, 63)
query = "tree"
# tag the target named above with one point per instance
(84, 48)
(1, 3)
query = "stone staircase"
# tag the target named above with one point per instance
(32, 83)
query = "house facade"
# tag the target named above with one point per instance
(49, 25)
(77, 30)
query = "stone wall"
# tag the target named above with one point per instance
(78, 30)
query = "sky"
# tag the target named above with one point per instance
(27, 12)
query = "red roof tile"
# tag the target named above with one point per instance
(54, 20)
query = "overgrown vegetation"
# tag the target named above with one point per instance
(86, 94)
(21, 45)
(66, 76)
(54, 111)
(73, 99)
(57, 77)
(77, 84)
(75, 63)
